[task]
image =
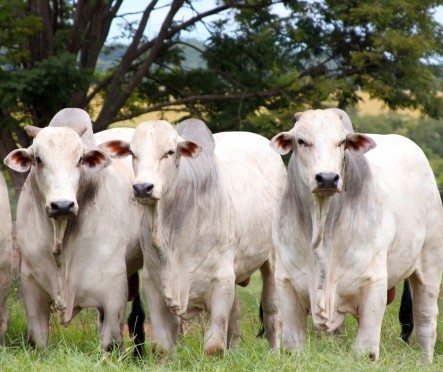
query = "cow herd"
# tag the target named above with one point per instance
(348, 218)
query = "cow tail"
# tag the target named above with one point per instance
(405, 314)
(261, 333)
(136, 319)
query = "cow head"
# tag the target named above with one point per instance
(156, 150)
(319, 140)
(57, 156)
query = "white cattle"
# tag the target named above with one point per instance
(5, 255)
(209, 202)
(352, 224)
(76, 222)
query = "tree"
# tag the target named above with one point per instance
(255, 60)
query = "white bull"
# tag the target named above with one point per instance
(76, 222)
(209, 202)
(352, 224)
(5, 255)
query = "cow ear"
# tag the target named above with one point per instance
(116, 149)
(282, 143)
(359, 143)
(188, 149)
(32, 131)
(96, 159)
(19, 160)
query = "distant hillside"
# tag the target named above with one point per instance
(112, 54)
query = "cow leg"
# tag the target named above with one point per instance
(5, 281)
(136, 319)
(370, 316)
(165, 326)
(425, 311)
(37, 306)
(111, 330)
(234, 324)
(294, 316)
(269, 300)
(220, 306)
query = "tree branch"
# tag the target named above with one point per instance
(196, 99)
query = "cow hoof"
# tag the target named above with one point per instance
(158, 351)
(215, 350)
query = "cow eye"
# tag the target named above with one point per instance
(342, 143)
(167, 154)
(38, 159)
(80, 161)
(301, 142)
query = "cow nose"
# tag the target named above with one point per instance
(61, 208)
(327, 180)
(143, 190)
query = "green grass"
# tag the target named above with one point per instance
(76, 348)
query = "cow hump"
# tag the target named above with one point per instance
(78, 120)
(197, 131)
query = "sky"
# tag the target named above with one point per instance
(200, 32)
(155, 22)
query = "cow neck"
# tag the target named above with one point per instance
(154, 220)
(321, 247)
(171, 282)
(58, 252)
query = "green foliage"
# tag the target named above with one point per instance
(318, 52)
(52, 81)
(16, 27)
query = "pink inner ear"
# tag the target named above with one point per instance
(116, 148)
(96, 158)
(359, 144)
(18, 158)
(189, 149)
(284, 142)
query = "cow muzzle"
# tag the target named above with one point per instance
(144, 192)
(326, 183)
(62, 208)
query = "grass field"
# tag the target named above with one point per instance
(76, 348)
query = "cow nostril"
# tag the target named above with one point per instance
(142, 190)
(319, 178)
(61, 208)
(327, 180)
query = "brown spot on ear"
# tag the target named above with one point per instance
(283, 142)
(245, 282)
(390, 295)
(19, 159)
(359, 143)
(116, 149)
(93, 160)
(189, 150)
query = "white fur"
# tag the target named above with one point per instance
(209, 229)
(5, 256)
(340, 254)
(88, 268)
